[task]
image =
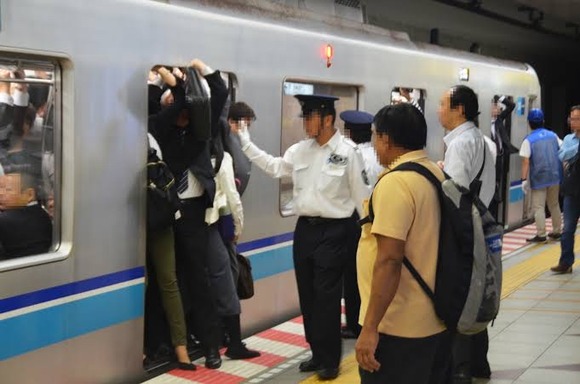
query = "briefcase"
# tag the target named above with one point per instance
(245, 280)
(198, 105)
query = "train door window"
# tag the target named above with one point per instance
(292, 128)
(29, 159)
(414, 96)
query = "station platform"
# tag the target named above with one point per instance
(535, 339)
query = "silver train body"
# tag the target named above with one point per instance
(75, 315)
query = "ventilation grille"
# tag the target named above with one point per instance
(348, 3)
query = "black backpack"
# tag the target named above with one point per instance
(469, 271)
(162, 200)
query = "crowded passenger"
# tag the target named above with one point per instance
(328, 176)
(161, 258)
(568, 154)
(188, 157)
(501, 110)
(541, 175)
(402, 339)
(25, 227)
(240, 114)
(469, 162)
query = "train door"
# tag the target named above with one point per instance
(292, 129)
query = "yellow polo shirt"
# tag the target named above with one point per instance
(406, 207)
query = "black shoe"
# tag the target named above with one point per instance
(554, 236)
(327, 373)
(309, 366)
(537, 239)
(213, 359)
(347, 333)
(240, 352)
(186, 366)
(561, 269)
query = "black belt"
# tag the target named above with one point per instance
(191, 200)
(316, 220)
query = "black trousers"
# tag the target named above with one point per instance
(350, 287)
(470, 354)
(411, 361)
(320, 251)
(191, 249)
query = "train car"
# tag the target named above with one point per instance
(74, 314)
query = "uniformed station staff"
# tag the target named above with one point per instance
(327, 170)
(358, 127)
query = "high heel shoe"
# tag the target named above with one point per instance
(561, 269)
(186, 366)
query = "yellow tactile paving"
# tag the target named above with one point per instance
(513, 278)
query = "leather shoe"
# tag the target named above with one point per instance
(186, 366)
(561, 269)
(241, 352)
(347, 333)
(461, 378)
(327, 373)
(213, 359)
(309, 366)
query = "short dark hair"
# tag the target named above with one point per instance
(360, 135)
(404, 124)
(241, 110)
(536, 124)
(463, 95)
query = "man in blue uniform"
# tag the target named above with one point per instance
(541, 174)
(358, 127)
(329, 184)
(568, 153)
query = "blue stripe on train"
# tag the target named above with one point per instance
(53, 293)
(44, 327)
(52, 325)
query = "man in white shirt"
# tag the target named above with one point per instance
(329, 184)
(470, 164)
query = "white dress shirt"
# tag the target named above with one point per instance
(328, 180)
(464, 158)
(227, 199)
(372, 166)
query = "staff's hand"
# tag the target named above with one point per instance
(526, 186)
(244, 134)
(365, 348)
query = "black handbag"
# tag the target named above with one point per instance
(245, 280)
(198, 105)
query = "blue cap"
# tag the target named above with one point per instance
(357, 119)
(536, 116)
(320, 103)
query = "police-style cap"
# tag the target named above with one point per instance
(357, 120)
(320, 103)
(536, 115)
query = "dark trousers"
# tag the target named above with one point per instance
(320, 250)
(571, 215)
(350, 288)
(411, 361)
(470, 354)
(191, 247)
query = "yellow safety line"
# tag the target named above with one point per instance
(513, 278)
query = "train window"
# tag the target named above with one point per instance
(292, 130)
(414, 96)
(29, 158)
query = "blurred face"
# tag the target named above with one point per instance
(313, 124)
(236, 125)
(449, 117)
(382, 148)
(574, 121)
(495, 110)
(11, 195)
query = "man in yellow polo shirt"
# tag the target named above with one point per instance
(402, 339)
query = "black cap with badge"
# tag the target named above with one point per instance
(324, 104)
